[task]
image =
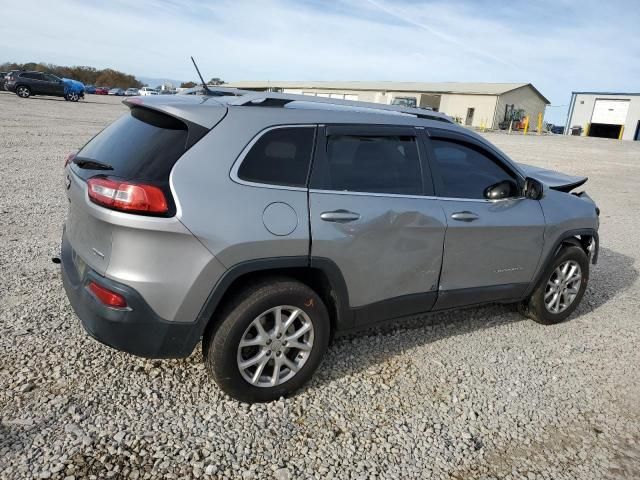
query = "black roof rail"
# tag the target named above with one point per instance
(273, 99)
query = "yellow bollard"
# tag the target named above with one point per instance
(539, 123)
(510, 126)
(621, 132)
(526, 124)
(587, 126)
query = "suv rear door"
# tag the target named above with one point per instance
(492, 247)
(35, 81)
(371, 214)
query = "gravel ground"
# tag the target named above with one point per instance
(477, 393)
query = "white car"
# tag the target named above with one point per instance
(147, 91)
(131, 92)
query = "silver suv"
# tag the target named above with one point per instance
(266, 223)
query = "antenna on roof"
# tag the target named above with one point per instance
(204, 85)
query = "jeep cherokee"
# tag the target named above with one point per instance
(265, 223)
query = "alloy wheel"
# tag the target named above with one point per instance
(23, 92)
(563, 286)
(275, 346)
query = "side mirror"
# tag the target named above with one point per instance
(533, 188)
(500, 190)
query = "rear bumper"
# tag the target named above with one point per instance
(136, 329)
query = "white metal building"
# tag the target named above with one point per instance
(608, 115)
(473, 104)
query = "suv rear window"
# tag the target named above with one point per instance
(280, 157)
(373, 164)
(32, 75)
(142, 145)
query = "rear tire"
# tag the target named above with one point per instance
(560, 289)
(285, 353)
(23, 91)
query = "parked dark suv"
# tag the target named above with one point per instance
(25, 84)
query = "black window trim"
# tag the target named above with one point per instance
(238, 162)
(324, 131)
(455, 137)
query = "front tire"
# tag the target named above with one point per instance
(23, 91)
(560, 289)
(270, 340)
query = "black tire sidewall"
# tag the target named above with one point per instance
(23, 87)
(537, 305)
(222, 348)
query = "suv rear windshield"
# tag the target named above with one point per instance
(142, 145)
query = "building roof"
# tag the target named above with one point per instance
(461, 88)
(623, 94)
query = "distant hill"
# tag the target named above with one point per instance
(87, 75)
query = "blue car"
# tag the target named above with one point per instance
(73, 89)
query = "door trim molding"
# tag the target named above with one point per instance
(392, 308)
(464, 297)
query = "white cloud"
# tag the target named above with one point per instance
(559, 46)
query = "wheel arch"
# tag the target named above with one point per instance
(320, 274)
(580, 238)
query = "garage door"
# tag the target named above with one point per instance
(610, 111)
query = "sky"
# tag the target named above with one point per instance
(559, 46)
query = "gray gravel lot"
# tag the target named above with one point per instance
(477, 393)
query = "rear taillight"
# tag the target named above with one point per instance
(127, 196)
(106, 296)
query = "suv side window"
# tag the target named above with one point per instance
(281, 156)
(466, 170)
(371, 164)
(32, 76)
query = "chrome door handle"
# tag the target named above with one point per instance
(340, 216)
(465, 216)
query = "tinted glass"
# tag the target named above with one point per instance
(32, 76)
(280, 157)
(142, 145)
(375, 164)
(466, 171)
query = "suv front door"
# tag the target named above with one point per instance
(53, 85)
(492, 247)
(371, 214)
